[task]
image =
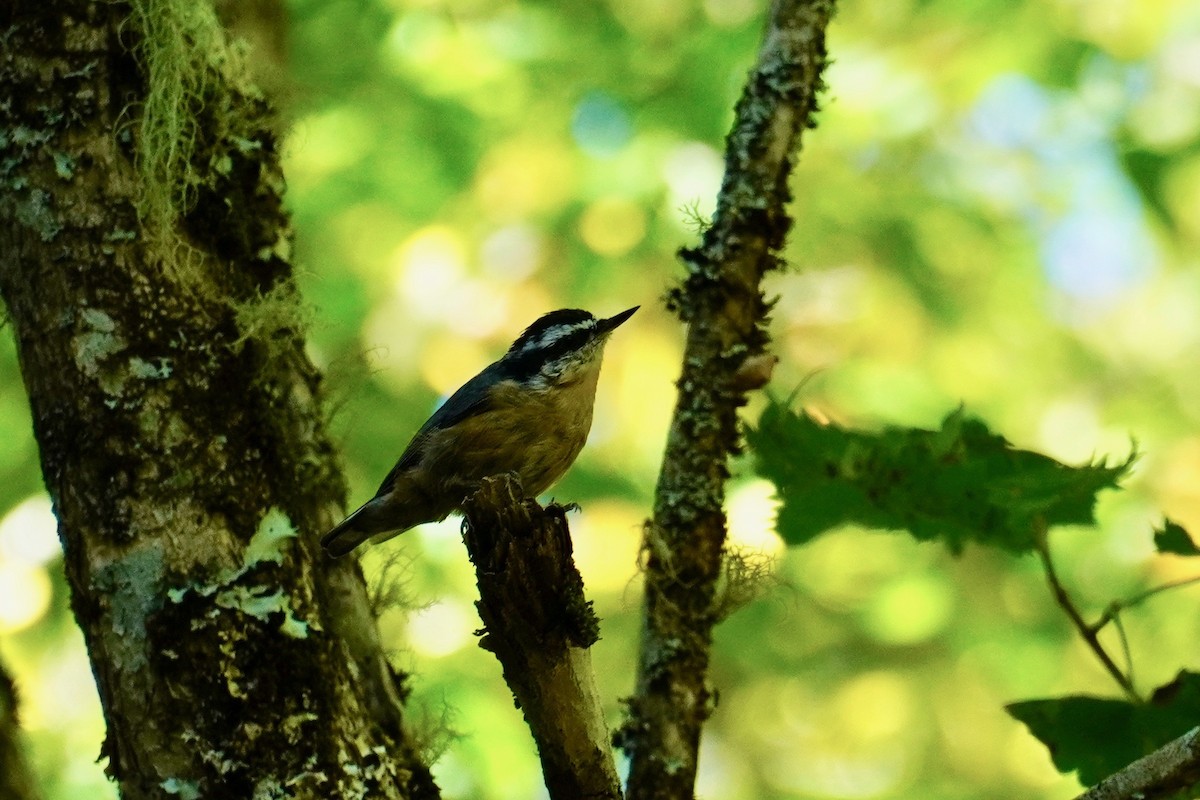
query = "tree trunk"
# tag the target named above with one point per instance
(179, 419)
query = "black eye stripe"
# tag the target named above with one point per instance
(529, 363)
(571, 341)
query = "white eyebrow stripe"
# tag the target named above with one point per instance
(557, 332)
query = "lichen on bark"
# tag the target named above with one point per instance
(179, 421)
(722, 302)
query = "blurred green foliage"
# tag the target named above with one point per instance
(999, 207)
(963, 484)
(960, 483)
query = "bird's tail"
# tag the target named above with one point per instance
(345, 536)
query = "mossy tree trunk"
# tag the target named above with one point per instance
(178, 418)
(726, 355)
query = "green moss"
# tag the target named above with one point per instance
(189, 108)
(746, 575)
(263, 319)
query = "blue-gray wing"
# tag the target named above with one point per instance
(470, 399)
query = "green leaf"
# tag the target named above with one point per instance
(957, 484)
(1173, 538)
(1098, 736)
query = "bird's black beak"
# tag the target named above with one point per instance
(604, 326)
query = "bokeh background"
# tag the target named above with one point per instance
(1001, 207)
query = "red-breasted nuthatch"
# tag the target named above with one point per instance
(527, 414)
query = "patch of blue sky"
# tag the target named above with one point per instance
(600, 124)
(1049, 157)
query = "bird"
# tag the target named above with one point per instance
(527, 414)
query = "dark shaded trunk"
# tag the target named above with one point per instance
(180, 428)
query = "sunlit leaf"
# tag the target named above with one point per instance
(957, 484)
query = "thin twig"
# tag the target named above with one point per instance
(1072, 611)
(1125, 651)
(1116, 608)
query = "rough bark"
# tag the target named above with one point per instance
(722, 303)
(539, 626)
(16, 779)
(180, 429)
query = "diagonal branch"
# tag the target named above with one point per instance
(539, 626)
(723, 304)
(1162, 774)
